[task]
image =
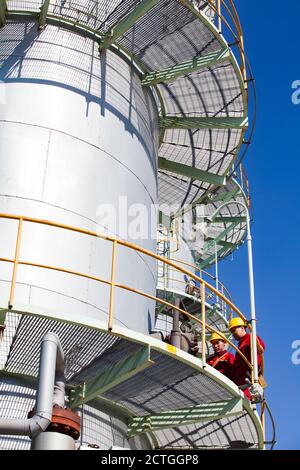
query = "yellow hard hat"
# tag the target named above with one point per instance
(237, 321)
(216, 337)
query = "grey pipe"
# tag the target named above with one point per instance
(176, 333)
(51, 390)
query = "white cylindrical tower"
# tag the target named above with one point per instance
(108, 108)
(78, 146)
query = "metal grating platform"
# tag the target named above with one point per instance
(228, 433)
(169, 381)
(166, 385)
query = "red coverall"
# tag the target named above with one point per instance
(222, 362)
(240, 370)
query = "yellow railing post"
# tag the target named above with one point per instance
(16, 262)
(112, 285)
(203, 323)
(219, 16)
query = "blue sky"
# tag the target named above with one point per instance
(271, 33)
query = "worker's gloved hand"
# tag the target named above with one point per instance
(256, 392)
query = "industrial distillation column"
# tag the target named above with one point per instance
(78, 138)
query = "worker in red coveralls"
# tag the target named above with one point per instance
(222, 360)
(241, 373)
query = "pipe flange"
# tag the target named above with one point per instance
(64, 421)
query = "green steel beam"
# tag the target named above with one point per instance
(227, 219)
(211, 259)
(223, 243)
(191, 172)
(174, 122)
(127, 22)
(108, 379)
(175, 418)
(43, 14)
(225, 196)
(3, 10)
(3, 313)
(193, 65)
(216, 240)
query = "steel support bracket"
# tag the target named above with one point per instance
(3, 11)
(191, 172)
(175, 122)
(126, 23)
(225, 196)
(185, 68)
(43, 14)
(175, 418)
(210, 244)
(111, 377)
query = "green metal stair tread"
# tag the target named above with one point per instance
(176, 418)
(193, 65)
(166, 385)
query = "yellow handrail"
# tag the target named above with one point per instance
(16, 262)
(238, 33)
(112, 283)
(201, 273)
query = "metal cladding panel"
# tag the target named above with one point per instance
(98, 428)
(102, 430)
(77, 132)
(15, 403)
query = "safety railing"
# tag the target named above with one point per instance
(240, 175)
(168, 280)
(204, 286)
(227, 21)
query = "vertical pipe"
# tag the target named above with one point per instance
(16, 262)
(242, 176)
(216, 263)
(176, 334)
(112, 287)
(252, 300)
(46, 378)
(217, 270)
(203, 323)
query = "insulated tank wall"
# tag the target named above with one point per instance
(78, 137)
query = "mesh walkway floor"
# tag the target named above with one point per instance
(164, 391)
